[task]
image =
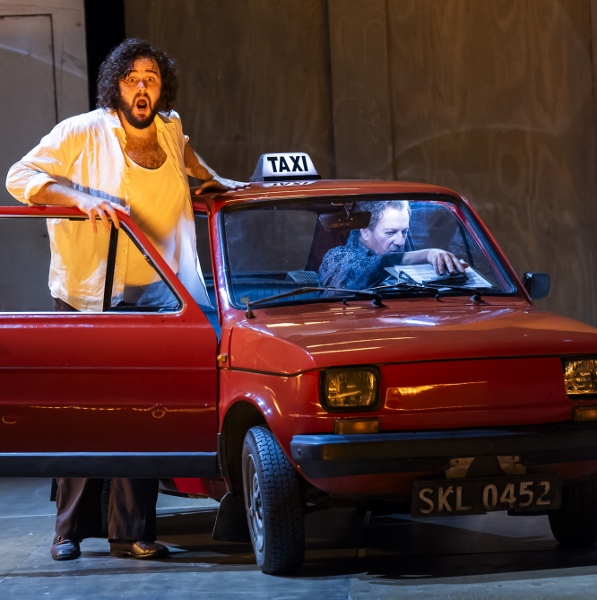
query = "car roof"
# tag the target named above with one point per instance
(263, 191)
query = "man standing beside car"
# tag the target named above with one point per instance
(128, 156)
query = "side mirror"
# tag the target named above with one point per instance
(536, 284)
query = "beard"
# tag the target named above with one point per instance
(138, 122)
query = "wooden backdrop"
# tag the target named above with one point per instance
(494, 98)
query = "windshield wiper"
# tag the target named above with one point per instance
(438, 289)
(307, 290)
(403, 286)
(447, 281)
(475, 293)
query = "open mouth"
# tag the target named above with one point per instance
(142, 104)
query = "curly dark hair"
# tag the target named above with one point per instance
(118, 65)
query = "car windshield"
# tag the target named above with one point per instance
(391, 245)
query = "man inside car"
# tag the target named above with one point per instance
(361, 262)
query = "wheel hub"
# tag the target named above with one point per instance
(255, 508)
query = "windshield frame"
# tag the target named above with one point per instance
(464, 215)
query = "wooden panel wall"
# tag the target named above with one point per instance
(494, 98)
(254, 76)
(361, 89)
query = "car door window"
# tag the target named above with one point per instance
(24, 271)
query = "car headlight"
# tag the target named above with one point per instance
(350, 389)
(580, 376)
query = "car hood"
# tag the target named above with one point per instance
(295, 339)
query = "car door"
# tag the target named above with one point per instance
(119, 392)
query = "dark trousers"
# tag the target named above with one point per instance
(131, 509)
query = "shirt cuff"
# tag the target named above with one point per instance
(35, 184)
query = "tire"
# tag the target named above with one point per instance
(574, 525)
(273, 504)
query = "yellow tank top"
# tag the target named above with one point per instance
(159, 205)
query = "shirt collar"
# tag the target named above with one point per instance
(354, 242)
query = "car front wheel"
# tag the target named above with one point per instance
(273, 503)
(574, 525)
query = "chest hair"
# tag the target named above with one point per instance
(145, 152)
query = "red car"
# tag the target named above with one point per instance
(435, 396)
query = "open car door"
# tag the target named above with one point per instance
(125, 391)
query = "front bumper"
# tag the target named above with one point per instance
(330, 455)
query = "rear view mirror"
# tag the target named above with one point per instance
(536, 284)
(342, 220)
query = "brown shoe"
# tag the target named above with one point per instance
(140, 549)
(64, 549)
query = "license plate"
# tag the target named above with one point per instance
(476, 496)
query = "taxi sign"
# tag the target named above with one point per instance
(285, 166)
